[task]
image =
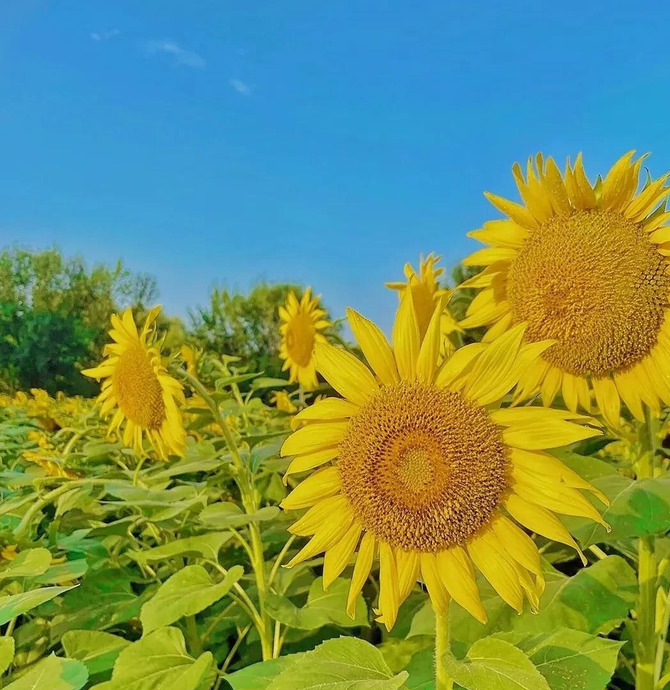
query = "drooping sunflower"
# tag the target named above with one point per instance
(302, 323)
(587, 266)
(137, 386)
(426, 292)
(420, 465)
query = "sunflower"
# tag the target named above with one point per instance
(426, 292)
(302, 323)
(282, 401)
(136, 383)
(420, 465)
(585, 265)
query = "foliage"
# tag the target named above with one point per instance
(54, 316)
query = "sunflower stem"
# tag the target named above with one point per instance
(442, 680)
(245, 481)
(645, 643)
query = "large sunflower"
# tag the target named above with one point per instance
(301, 325)
(585, 265)
(419, 464)
(426, 292)
(138, 386)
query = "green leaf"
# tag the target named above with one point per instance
(187, 592)
(98, 650)
(345, 663)
(322, 608)
(206, 545)
(259, 676)
(595, 600)
(569, 659)
(16, 604)
(421, 671)
(160, 660)
(64, 572)
(28, 563)
(226, 514)
(6, 653)
(637, 508)
(104, 599)
(53, 673)
(493, 663)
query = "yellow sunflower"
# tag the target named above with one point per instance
(282, 401)
(136, 383)
(301, 325)
(426, 292)
(419, 464)
(587, 266)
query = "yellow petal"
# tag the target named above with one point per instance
(346, 374)
(389, 595)
(490, 255)
(457, 575)
(496, 566)
(321, 484)
(328, 534)
(501, 233)
(308, 461)
(620, 183)
(375, 347)
(431, 577)
(519, 214)
(430, 347)
(314, 437)
(546, 434)
(408, 564)
(319, 513)
(366, 552)
(493, 366)
(406, 338)
(458, 364)
(517, 544)
(608, 401)
(540, 520)
(325, 410)
(338, 556)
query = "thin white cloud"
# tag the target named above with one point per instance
(180, 55)
(104, 35)
(241, 87)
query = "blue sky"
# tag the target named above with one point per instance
(326, 143)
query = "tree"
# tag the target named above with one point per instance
(54, 316)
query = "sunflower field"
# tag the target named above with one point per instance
(478, 500)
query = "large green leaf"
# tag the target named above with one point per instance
(595, 600)
(98, 650)
(226, 514)
(28, 563)
(421, 671)
(105, 598)
(322, 608)
(206, 545)
(637, 507)
(63, 572)
(569, 659)
(345, 663)
(494, 663)
(160, 661)
(187, 592)
(6, 653)
(259, 676)
(53, 673)
(14, 605)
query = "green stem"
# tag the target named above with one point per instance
(442, 680)
(645, 652)
(248, 492)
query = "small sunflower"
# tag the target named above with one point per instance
(137, 384)
(426, 292)
(282, 401)
(302, 323)
(587, 266)
(419, 464)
